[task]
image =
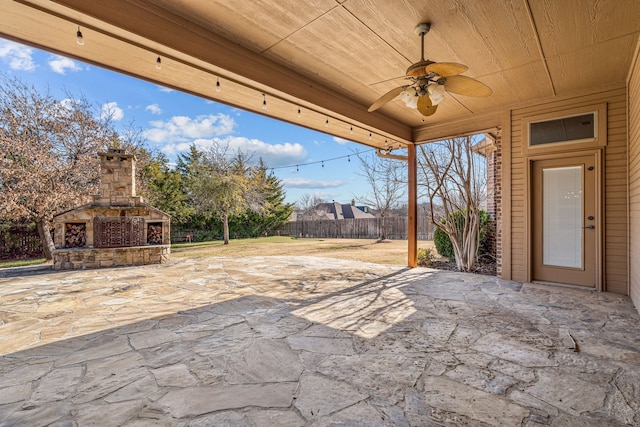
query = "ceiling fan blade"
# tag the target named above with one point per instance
(425, 106)
(446, 69)
(386, 98)
(463, 85)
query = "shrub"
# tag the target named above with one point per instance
(426, 257)
(443, 243)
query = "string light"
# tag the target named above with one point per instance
(264, 101)
(218, 88)
(79, 38)
(299, 111)
(158, 63)
(326, 123)
(369, 136)
(348, 157)
(351, 130)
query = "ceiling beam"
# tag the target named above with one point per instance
(166, 29)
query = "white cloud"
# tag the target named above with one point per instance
(181, 129)
(153, 108)
(178, 133)
(68, 103)
(111, 110)
(340, 141)
(17, 56)
(310, 183)
(165, 89)
(273, 155)
(60, 65)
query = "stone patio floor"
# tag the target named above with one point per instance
(295, 341)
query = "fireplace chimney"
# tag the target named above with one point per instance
(117, 179)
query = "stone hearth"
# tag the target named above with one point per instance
(117, 229)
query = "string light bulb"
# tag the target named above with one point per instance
(218, 87)
(351, 130)
(264, 102)
(322, 162)
(326, 123)
(158, 63)
(369, 136)
(79, 38)
(299, 111)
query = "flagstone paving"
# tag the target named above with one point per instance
(299, 341)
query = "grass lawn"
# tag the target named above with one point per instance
(21, 262)
(390, 252)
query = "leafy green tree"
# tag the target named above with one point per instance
(221, 186)
(166, 190)
(274, 212)
(188, 166)
(186, 162)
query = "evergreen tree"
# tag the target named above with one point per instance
(274, 212)
(166, 190)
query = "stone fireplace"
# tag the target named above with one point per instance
(117, 228)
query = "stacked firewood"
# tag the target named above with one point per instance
(75, 235)
(154, 234)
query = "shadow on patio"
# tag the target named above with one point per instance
(311, 341)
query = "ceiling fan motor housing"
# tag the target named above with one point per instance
(418, 69)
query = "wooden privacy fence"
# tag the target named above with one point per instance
(358, 228)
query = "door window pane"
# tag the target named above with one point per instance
(562, 216)
(566, 129)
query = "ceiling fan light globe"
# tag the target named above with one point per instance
(435, 100)
(436, 93)
(413, 103)
(407, 96)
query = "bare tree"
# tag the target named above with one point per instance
(387, 185)
(48, 160)
(308, 207)
(454, 177)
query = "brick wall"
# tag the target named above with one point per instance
(494, 202)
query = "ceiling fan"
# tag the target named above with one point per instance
(430, 80)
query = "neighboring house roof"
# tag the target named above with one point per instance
(343, 211)
(334, 211)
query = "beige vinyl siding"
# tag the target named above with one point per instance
(615, 196)
(634, 183)
(614, 180)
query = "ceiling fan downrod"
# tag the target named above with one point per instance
(421, 30)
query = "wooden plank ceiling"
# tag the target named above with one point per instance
(330, 59)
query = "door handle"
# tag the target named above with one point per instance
(590, 227)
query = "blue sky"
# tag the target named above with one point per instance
(171, 121)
